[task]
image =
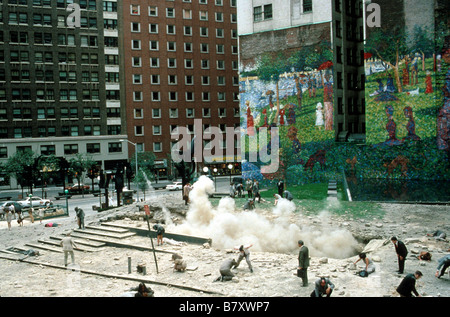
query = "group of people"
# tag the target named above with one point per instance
(225, 269)
(10, 212)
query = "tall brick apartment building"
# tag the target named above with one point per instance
(59, 89)
(180, 64)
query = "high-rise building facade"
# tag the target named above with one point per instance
(54, 99)
(180, 70)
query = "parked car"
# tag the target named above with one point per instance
(175, 186)
(35, 201)
(6, 204)
(78, 188)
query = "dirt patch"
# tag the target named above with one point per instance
(274, 272)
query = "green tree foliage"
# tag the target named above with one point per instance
(390, 47)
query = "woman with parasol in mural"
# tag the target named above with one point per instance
(250, 123)
(327, 95)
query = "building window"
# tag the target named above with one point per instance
(138, 113)
(138, 130)
(93, 148)
(173, 113)
(70, 149)
(115, 147)
(190, 113)
(261, 13)
(203, 15)
(154, 62)
(157, 130)
(170, 12)
(156, 113)
(153, 28)
(157, 147)
(307, 6)
(152, 11)
(134, 9)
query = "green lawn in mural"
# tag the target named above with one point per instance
(416, 95)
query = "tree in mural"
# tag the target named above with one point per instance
(390, 47)
(422, 42)
(269, 69)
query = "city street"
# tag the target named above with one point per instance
(86, 201)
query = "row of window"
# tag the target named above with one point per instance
(187, 14)
(23, 56)
(24, 94)
(190, 113)
(136, 61)
(63, 76)
(187, 47)
(44, 38)
(46, 20)
(70, 149)
(188, 80)
(42, 132)
(49, 113)
(189, 96)
(84, 4)
(153, 28)
(265, 12)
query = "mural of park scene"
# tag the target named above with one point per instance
(293, 93)
(407, 118)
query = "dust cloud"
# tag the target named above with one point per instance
(228, 227)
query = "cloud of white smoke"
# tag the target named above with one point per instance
(229, 228)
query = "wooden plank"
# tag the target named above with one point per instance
(84, 242)
(104, 234)
(109, 229)
(173, 236)
(119, 244)
(54, 243)
(43, 247)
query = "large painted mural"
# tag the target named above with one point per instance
(293, 94)
(406, 106)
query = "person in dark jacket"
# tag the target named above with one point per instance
(408, 285)
(402, 252)
(159, 233)
(303, 263)
(287, 194)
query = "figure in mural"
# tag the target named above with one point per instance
(292, 135)
(390, 87)
(391, 127)
(415, 72)
(291, 114)
(443, 120)
(443, 135)
(328, 102)
(317, 157)
(312, 84)
(428, 83)
(405, 77)
(250, 123)
(411, 125)
(319, 116)
(401, 161)
(352, 162)
(266, 122)
(282, 117)
(298, 85)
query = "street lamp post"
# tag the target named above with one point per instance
(136, 157)
(215, 179)
(67, 200)
(230, 167)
